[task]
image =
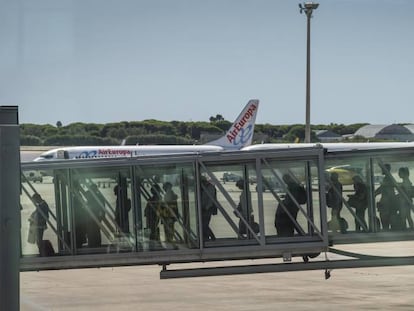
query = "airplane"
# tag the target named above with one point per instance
(238, 136)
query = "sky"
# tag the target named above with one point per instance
(101, 61)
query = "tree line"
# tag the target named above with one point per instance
(155, 132)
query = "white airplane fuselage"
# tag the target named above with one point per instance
(238, 136)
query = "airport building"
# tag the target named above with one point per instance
(327, 136)
(394, 132)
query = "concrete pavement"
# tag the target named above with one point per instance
(139, 288)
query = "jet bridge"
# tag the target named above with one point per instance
(176, 209)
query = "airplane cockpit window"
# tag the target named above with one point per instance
(46, 156)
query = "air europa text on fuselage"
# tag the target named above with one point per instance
(103, 152)
(238, 127)
(114, 152)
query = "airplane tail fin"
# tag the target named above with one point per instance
(241, 132)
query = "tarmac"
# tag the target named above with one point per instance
(140, 288)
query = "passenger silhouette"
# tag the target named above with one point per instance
(169, 211)
(244, 208)
(81, 216)
(96, 214)
(359, 201)
(208, 207)
(38, 222)
(334, 201)
(122, 208)
(285, 226)
(405, 197)
(152, 212)
(386, 205)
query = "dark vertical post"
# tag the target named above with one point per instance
(307, 126)
(9, 208)
(308, 8)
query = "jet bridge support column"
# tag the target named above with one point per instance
(9, 208)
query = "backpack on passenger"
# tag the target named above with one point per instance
(301, 195)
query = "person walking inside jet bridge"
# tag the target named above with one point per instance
(334, 201)
(96, 205)
(405, 197)
(152, 212)
(387, 205)
(288, 209)
(208, 207)
(169, 211)
(38, 221)
(80, 213)
(122, 208)
(359, 201)
(244, 208)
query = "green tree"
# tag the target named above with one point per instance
(223, 125)
(297, 134)
(30, 140)
(217, 118)
(157, 139)
(79, 140)
(185, 132)
(119, 133)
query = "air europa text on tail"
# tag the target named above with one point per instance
(239, 124)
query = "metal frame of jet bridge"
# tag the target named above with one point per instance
(118, 212)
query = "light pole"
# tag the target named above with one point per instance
(308, 8)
